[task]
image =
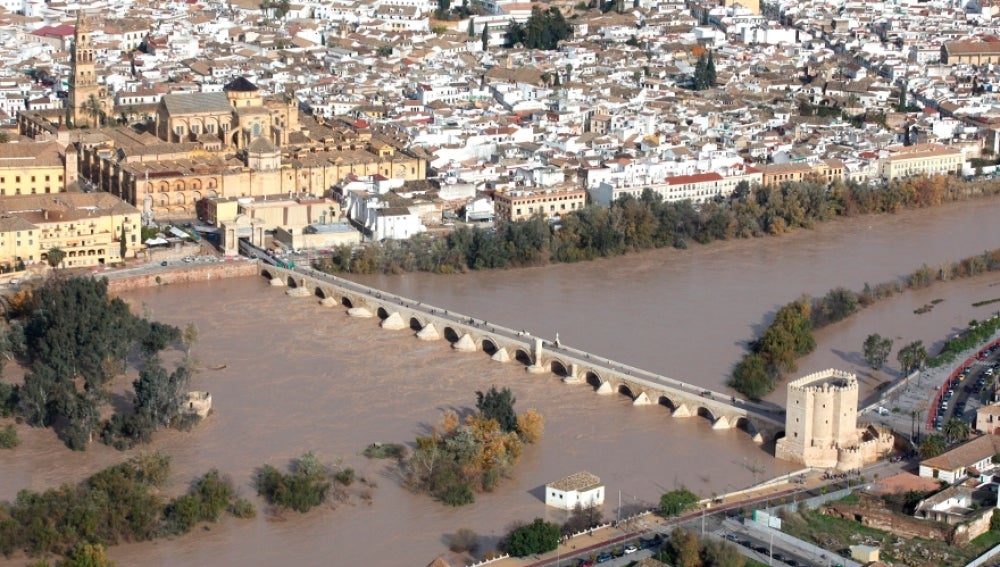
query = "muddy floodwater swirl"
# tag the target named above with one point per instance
(294, 376)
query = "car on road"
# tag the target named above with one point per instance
(762, 549)
(163, 263)
(631, 549)
(732, 537)
(585, 563)
(604, 557)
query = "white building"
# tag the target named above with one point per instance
(580, 489)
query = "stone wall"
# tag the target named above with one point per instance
(870, 513)
(187, 274)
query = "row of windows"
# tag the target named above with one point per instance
(34, 178)
(552, 208)
(17, 191)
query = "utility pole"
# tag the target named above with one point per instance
(618, 514)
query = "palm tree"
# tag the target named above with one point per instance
(55, 256)
(955, 429)
(93, 108)
(932, 446)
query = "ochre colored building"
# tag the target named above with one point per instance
(516, 205)
(34, 168)
(87, 227)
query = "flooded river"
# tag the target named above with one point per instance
(302, 377)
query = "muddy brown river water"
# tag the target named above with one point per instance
(301, 377)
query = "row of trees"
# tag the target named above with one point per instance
(74, 340)
(685, 549)
(633, 224)
(456, 460)
(543, 30)
(120, 503)
(789, 335)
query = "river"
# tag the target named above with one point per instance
(302, 377)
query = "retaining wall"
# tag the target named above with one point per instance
(118, 283)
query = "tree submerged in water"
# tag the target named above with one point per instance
(457, 460)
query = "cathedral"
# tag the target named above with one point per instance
(235, 143)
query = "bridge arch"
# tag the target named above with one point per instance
(450, 334)
(707, 413)
(267, 274)
(292, 282)
(382, 313)
(663, 400)
(626, 390)
(523, 356)
(744, 423)
(489, 346)
(416, 324)
(594, 379)
(321, 293)
(559, 368)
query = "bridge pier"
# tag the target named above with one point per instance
(360, 312)
(722, 423)
(682, 411)
(329, 301)
(642, 400)
(465, 344)
(573, 374)
(277, 282)
(501, 355)
(393, 322)
(428, 333)
(605, 388)
(536, 367)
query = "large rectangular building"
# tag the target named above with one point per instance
(920, 159)
(86, 227)
(517, 205)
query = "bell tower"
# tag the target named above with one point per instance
(88, 101)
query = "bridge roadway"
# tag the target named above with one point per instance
(503, 344)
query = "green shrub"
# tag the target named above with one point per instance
(345, 476)
(301, 490)
(242, 508)
(8, 437)
(384, 451)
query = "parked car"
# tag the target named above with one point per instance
(604, 557)
(631, 549)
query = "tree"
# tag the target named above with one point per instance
(87, 555)
(486, 37)
(701, 73)
(710, 70)
(93, 108)
(499, 406)
(190, 337)
(753, 377)
(685, 548)
(537, 537)
(955, 429)
(122, 245)
(55, 256)
(159, 395)
(932, 446)
(463, 540)
(912, 356)
(876, 350)
(676, 502)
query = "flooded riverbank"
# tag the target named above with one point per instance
(302, 377)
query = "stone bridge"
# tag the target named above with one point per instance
(502, 344)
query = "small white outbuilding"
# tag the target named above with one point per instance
(582, 488)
